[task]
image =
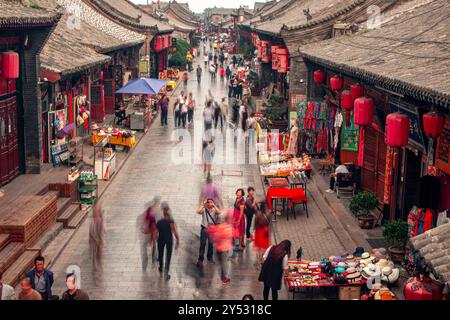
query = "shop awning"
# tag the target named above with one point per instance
(143, 86)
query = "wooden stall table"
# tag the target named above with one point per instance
(296, 282)
(115, 140)
(289, 196)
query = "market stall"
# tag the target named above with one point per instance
(116, 137)
(361, 275)
(104, 159)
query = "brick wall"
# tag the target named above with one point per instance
(31, 108)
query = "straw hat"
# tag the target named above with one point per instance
(385, 263)
(95, 127)
(353, 275)
(371, 271)
(351, 258)
(390, 275)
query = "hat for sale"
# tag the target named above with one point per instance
(350, 258)
(358, 251)
(353, 275)
(385, 263)
(371, 271)
(95, 127)
(390, 275)
(340, 268)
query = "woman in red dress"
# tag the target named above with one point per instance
(262, 232)
(239, 219)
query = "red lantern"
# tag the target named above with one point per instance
(422, 289)
(433, 124)
(101, 75)
(283, 58)
(397, 130)
(347, 105)
(158, 43)
(356, 91)
(10, 65)
(346, 101)
(364, 109)
(336, 83)
(319, 76)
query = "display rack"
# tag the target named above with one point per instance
(88, 187)
(75, 150)
(60, 154)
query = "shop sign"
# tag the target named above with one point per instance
(350, 135)
(391, 160)
(143, 67)
(415, 127)
(443, 149)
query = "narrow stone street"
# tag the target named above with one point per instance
(150, 171)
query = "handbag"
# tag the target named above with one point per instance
(80, 120)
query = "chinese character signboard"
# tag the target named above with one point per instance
(350, 136)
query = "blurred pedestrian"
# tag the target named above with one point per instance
(199, 72)
(239, 219)
(208, 156)
(73, 292)
(222, 236)
(185, 78)
(210, 191)
(191, 108)
(164, 109)
(6, 291)
(274, 266)
(27, 292)
(41, 279)
(210, 213)
(147, 225)
(224, 110)
(217, 115)
(166, 232)
(248, 297)
(184, 111)
(250, 210)
(262, 232)
(97, 237)
(208, 115)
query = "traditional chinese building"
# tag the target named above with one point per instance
(87, 58)
(403, 72)
(24, 31)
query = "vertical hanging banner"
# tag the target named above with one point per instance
(350, 135)
(391, 160)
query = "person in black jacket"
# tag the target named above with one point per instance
(41, 278)
(275, 264)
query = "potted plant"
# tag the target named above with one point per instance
(361, 205)
(396, 235)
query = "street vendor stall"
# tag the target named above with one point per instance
(104, 159)
(116, 137)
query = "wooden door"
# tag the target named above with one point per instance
(373, 171)
(3, 143)
(97, 102)
(110, 90)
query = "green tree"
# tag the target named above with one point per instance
(178, 58)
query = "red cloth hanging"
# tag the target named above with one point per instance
(424, 218)
(296, 195)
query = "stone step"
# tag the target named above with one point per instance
(62, 204)
(53, 192)
(57, 245)
(77, 219)
(9, 254)
(4, 240)
(21, 265)
(68, 214)
(47, 237)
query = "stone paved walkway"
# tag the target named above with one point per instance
(148, 172)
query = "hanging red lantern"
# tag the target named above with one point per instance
(356, 91)
(158, 43)
(283, 59)
(319, 76)
(266, 56)
(347, 105)
(397, 130)
(364, 110)
(10, 65)
(101, 76)
(336, 83)
(420, 288)
(433, 124)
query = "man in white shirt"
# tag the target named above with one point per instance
(6, 291)
(341, 168)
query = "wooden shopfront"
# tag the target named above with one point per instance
(9, 133)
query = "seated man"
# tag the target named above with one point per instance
(339, 169)
(120, 113)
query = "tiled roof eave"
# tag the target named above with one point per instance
(421, 93)
(21, 22)
(325, 19)
(77, 69)
(120, 46)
